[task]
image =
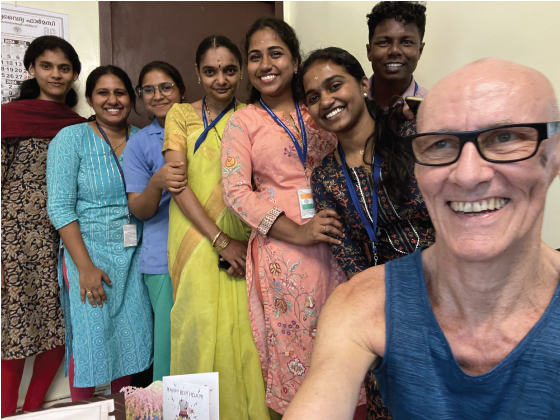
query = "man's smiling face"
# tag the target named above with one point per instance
(394, 50)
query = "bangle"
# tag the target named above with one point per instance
(224, 244)
(216, 238)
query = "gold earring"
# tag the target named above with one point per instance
(199, 80)
(241, 78)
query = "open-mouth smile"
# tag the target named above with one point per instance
(478, 208)
(334, 112)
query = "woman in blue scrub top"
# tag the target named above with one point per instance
(148, 179)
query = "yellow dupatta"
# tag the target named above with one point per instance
(204, 175)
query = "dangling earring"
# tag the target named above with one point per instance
(241, 77)
(199, 80)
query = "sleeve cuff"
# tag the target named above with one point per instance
(266, 223)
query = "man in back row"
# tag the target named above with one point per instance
(395, 33)
(470, 327)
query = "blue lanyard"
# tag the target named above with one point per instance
(207, 127)
(415, 88)
(113, 152)
(371, 229)
(301, 153)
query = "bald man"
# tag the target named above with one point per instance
(470, 327)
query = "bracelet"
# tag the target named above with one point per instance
(224, 244)
(216, 238)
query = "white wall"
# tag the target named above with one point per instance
(457, 33)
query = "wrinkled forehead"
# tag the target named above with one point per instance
(472, 100)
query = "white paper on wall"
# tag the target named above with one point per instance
(20, 26)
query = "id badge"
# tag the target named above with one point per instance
(129, 235)
(306, 206)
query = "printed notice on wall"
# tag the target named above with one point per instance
(20, 26)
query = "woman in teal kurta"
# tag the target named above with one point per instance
(108, 339)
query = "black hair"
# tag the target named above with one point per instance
(385, 137)
(288, 37)
(166, 68)
(30, 88)
(215, 41)
(101, 71)
(336, 55)
(401, 11)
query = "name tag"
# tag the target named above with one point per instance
(129, 235)
(306, 206)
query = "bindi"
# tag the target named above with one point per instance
(219, 64)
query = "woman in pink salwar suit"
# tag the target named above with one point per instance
(290, 267)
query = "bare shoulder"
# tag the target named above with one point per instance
(357, 308)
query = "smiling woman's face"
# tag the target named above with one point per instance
(54, 74)
(271, 66)
(157, 103)
(110, 101)
(219, 72)
(334, 97)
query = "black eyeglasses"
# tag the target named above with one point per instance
(503, 144)
(164, 88)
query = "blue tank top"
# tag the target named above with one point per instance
(419, 377)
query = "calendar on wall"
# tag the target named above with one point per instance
(20, 26)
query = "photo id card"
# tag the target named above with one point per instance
(129, 235)
(306, 206)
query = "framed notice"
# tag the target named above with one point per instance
(20, 26)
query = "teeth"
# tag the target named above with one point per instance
(394, 65)
(334, 112)
(269, 77)
(113, 109)
(478, 206)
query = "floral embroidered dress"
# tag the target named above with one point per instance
(295, 280)
(210, 327)
(404, 225)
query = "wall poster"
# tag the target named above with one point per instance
(20, 26)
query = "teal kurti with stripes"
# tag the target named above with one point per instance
(84, 185)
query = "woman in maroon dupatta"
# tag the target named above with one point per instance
(32, 322)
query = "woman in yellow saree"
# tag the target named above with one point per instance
(210, 327)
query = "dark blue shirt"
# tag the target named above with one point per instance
(142, 159)
(420, 379)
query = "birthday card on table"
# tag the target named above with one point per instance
(192, 397)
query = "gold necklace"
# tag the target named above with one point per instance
(367, 168)
(116, 147)
(210, 117)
